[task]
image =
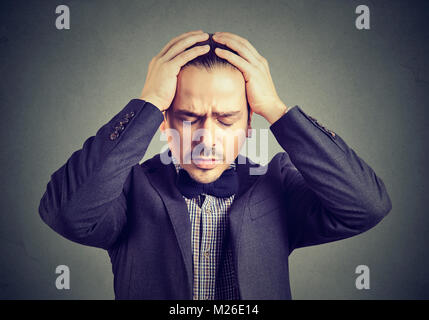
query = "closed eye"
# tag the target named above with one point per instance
(226, 120)
(225, 124)
(192, 120)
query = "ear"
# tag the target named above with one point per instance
(249, 125)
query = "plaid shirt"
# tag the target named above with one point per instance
(213, 270)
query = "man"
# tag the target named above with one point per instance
(203, 226)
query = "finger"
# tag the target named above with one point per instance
(181, 59)
(238, 47)
(181, 45)
(236, 60)
(241, 40)
(176, 39)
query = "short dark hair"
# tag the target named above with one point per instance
(211, 60)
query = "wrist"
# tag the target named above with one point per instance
(276, 112)
(153, 101)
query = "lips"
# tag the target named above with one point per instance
(206, 163)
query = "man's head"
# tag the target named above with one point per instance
(209, 115)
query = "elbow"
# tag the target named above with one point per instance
(83, 228)
(60, 221)
(387, 205)
(378, 209)
(45, 214)
(383, 206)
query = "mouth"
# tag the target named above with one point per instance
(206, 163)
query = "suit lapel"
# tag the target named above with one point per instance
(163, 178)
(240, 204)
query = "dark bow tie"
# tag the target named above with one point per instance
(225, 186)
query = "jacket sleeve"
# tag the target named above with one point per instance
(330, 193)
(85, 200)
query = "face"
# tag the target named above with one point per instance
(208, 120)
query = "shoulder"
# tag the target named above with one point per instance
(279, 165)
(151, 162)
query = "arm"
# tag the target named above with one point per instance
(331, 193)
(84, 200)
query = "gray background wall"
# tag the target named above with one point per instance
(371, 87)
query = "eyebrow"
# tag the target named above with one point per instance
(219, 114)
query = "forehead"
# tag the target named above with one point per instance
(198, 89)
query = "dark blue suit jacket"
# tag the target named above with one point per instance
(317, 191)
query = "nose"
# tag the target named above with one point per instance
(208, 133)
(208, 136)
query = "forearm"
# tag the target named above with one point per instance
(347, 187)
(93, 177)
